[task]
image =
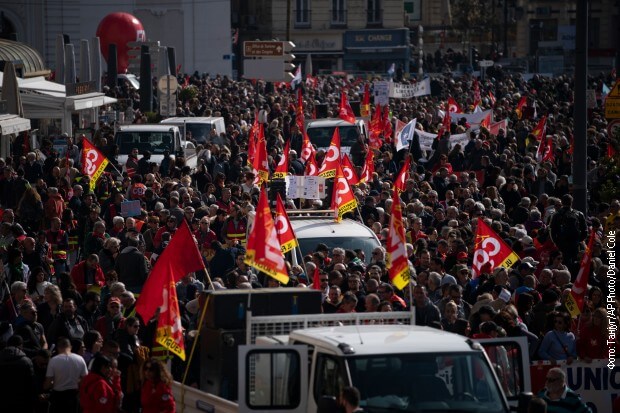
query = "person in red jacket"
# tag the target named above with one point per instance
(87, 273)
(156, 390)
(591, 343)
(100, 390)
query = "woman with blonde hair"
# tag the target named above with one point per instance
(50, 308)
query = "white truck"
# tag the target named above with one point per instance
(299, 363)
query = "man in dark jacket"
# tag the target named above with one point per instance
(67, 324)
(426, 313)
(16, 387)
(131, 266)
(31, 332)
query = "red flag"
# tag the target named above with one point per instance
(376, 128)
(365, 108)
(285, 232)
(492, 98)
(572, 145)
(477, 99)
(179, 258)
(307, 150)
(520, 106)
(453, 106)
(263, 248)
(316, 279)
(312, 169)
(332, 157)
(260, 164)
(299, 112)
(343, 200)
(344, 110)
(93, 162)
(445, 125)
(540, 129)
(282, 167)
(169, 329)
(397, 263)
(545, 150)
(575, 300)
(611, 151)
(349, 170)
(403, 175)
(387, 125)
(252, 135)
(491, 250)
(496, 126)
(369, 167)
(486, 122)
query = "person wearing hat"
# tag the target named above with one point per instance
(112, 320)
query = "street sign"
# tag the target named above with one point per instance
(612, 108)
(167, 84)
(615, 91)
(266, 48)
(613, 129)
(486, 63)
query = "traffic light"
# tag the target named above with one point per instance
(475, 57)
(287, 59)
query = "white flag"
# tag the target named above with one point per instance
(405, 135)
(297, 79)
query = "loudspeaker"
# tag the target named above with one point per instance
(226, 309)
(277, 186)
(218, 355)
(356, 106)
(321, 110)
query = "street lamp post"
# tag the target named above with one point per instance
(421, 52)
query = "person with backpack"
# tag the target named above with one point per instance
(568, 229)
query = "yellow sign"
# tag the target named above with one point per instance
(615, 91)
(612, 108)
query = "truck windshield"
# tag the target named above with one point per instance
(200, 131)
(321, 136)
(154, 142)
(308, 245)
(426, 382)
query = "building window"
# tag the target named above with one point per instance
(339, 13)
(374, 13)
(302, 13)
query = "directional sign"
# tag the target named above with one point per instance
(486, 63)
(612, 108)
(266, 48)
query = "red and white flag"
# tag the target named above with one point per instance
(307, 150)
(345, 112)
(169, 328)
(332, 157)
(453, 106)
(496, 126)
(403, 175)
(575, 300)
(282, 167)
(343, 200)
(519, 109)
(492, 98)
(260, 165)
(312, 169)
(349, 170)
(387, 125)
(93, 162)
(490, 251)
(540, 129)
(299, 112)
(396, 246)
(263, 249)
(369, 167)
(477, 98)
(285, 232)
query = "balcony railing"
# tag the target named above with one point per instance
(338, 18)
(303, 19)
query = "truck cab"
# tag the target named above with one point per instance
(395, 368)
(320, 132)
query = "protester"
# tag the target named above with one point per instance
(157, 391)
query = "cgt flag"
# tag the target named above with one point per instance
(263, 248)
(403, 175)
(343, 200)
(260, 165)
(312, 169)
(398, 264)
(349, 170)
(179, 258)
(491, 250)
(332, 157)
(285, 232)
(282, 167)
(369, 167)
(169, 329)
(575, 300)
(345, 112)
(307, 150)
(93, 163)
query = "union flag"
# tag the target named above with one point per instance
(387, 125)
(263, 249)
(540, 129)
(307, 150)
(397, 262)
(282, 167)
(332, 157)
(343, 200)
(490, 250)
(285, 232)
(403, 175)
(520, 106)
(169, 329)
(365, 107)
(575, 300)
(349, 170)
(312, 169)
(369, 167)
(345, 112)
(299, 111)
(453, 106)
(93, 163)
(260, 165)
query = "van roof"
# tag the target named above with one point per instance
(192, 119)
(383, 339)
(321, 227)
(316, 123)
(146, 127)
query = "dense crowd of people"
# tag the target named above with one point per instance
(72, 265)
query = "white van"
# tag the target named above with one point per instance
(155, 139)
(199, 127)
(320, 132)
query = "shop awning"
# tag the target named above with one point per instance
(10, 124)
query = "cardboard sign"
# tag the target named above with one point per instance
(130, 209)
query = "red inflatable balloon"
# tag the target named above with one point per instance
(119, 28)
